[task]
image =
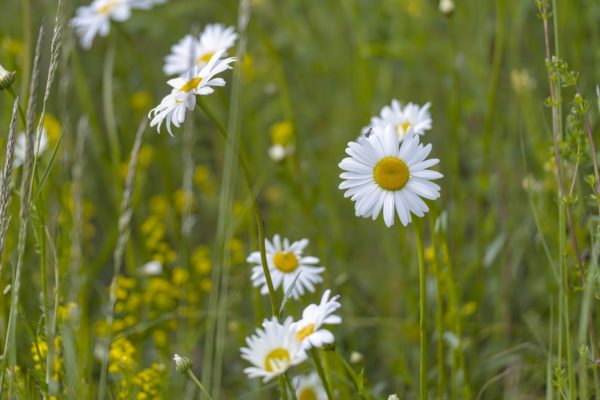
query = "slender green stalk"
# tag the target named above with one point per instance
(422, 313)
(255, 208)
(193, 377)
(314, 353)
(108, 104)
(283, 388)
(439, 313)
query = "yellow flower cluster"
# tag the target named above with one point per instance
(121, 357)
(149, 382)
(39, 353)
(155, 231)
(128, 304)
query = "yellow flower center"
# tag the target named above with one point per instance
(275, 358)
(402, 128)
(105, 9)
(305, 332)
(307, 394)
(205, 58)
(391, 173)
(191, 84)
(285, 262)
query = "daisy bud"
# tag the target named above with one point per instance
(356, 357)
(446, 7)
(6, 78)
(182, 364)
(393, 397)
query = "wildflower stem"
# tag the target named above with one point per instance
(314, 353)
(193, 377)
(439, 312)
(255, 208)
(422, 315)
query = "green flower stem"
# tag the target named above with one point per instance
(193, 377)
(282, 387)
(422, 313)
(314, 353)
(439, 312)
(255, 208)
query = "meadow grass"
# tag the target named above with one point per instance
(506, 259)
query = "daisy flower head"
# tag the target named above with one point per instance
(385, 173)
(309, 387)
(402, 118)
(310, 331)
(93, 20)
(272, 350)
(193, 51)
(195, 82)
(286, 265)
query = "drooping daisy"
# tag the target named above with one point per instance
(402, 118)
(272, 350)
(198, 81)
(383, 172)
(310, 331)
(94, 19)
(192, 52)
(285, 263)
(21, 147)
(309, 387)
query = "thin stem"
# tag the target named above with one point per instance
(107, 103)
(255, 208)
(439, 313)
(193, 377)
(422, 314)
(314, 353)
(283, 389)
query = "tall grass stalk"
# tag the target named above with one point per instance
(233, 129)
(124, 228)
(422, 312)
(6, 181)
(439, 311)
(10, 351)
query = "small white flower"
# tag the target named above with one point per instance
(196, 82)
(384, 173)
(152, 268)
(285, 263)
(94, 19)
(402, 118)
(272, 350)
(310, 331)
(182, 364)
(192, 52)
(309, 387)
(446, 7)
(278, 152)
(393, 397)
(21, 147)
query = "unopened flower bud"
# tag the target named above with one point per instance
(182, 364)
(6, 78)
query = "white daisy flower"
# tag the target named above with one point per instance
(198, 81)
(192, 52)
(402, 118)
(285, 263)
(272, 350)
(94, 19)
(21, 147)
(310, 331)
(383, 172)
(309, 387)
